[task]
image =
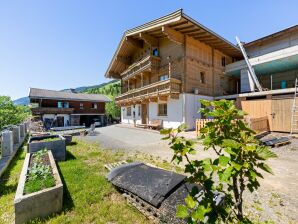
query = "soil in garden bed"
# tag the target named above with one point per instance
(40, 175)
(47, 140)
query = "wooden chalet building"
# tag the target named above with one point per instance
(67, 108)
(166, 66)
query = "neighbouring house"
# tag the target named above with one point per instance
(167, 65)
(275, 61)
(67, 108)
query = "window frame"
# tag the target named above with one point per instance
(164, 111)
(81, 106)
(202, 77)
(94, 106)
(223, 61)
(128, 111)
(166, 77)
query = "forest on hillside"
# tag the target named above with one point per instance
(111, 89)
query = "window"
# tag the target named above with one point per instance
(155, 52)
(202, 77)
(94, 106)
(81, 106)
(66, 104)
(223, 61)
(60, 104)
(128, 111)
(162, 109)
(139, 110)
(163, 77)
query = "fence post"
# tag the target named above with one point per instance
(16, 134)
(22, 130)
(7, 143)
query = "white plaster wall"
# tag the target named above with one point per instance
(130, 119)
(192, 106)
(174, 117)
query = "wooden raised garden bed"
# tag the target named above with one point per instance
(40, 189)
(56, 143)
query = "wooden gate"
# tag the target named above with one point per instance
(281, 114)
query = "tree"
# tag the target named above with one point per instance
(11, 114)
(236, 167)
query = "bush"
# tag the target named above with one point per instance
(11, 114)
(236, 168)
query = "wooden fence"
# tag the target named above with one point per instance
(257, 124)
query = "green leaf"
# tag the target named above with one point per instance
(223, 160)
(199, 214)
(165, 131)
(182, 211)
(230, 143)
(190, 202)
(227, 173)
(265, 167)
(265, 153)
(237, 166)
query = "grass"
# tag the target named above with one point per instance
(88, 196)
(47, 139)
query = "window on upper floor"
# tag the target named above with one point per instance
(81, 106)
(163, 77)
(94, 106)
(162, 109)
(155, 52)
(128, 111)
(202, 77)
(60, 104)
(223, 61)
(66, 104)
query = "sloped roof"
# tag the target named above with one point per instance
(36, 93)
(178, 22)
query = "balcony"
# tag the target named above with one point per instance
(51, 110)
(170, 87)
(150, 63)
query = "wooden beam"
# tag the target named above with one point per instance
(174, 96)
(163, 98)
(173, 35)
(124, 60)
(149, 39)
(152, 99)
(133, 42)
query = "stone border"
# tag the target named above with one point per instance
(58, 147)
(41, 203)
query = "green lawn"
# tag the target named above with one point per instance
(88, 197)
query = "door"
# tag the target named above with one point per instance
(60, 121)
(144, 111)
(281, 114)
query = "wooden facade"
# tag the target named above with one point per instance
(169, 56)
(50, 106)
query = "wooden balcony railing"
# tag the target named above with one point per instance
(161, 88)
(150, 63)
(51, 110)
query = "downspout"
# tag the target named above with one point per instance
(184, 85)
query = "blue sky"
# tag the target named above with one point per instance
(62, 44)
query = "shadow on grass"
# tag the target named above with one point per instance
(69, 156)
(72, 144)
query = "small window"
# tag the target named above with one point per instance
(223, 61)
(155, 52)
(162, 109)
(163, 77)
(94, 106)
(60, 104)
(81, 106)
(66, 104)
(139, 110)
(202, 77)
(128, 111)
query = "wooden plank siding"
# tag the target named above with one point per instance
(47, 103)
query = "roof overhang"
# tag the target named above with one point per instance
(173, 26)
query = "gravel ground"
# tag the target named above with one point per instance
(276, 201)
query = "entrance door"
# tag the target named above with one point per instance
(60, 121)
(281, 114)
(144, 113)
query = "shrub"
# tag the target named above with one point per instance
(236, 168)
